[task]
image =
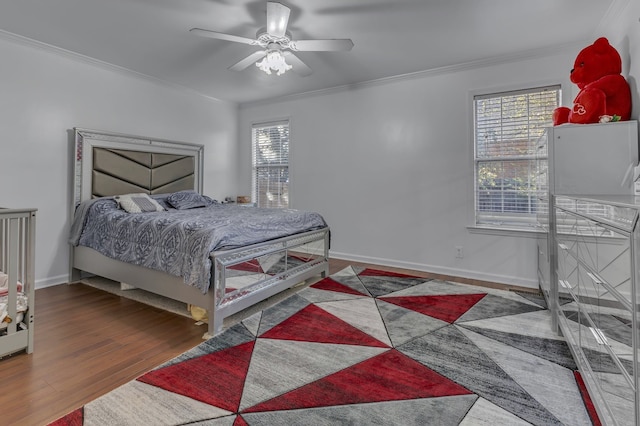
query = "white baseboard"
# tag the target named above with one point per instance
(455, 272)
(51, 281)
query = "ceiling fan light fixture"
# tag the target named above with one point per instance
(274, 60)
(276, 44)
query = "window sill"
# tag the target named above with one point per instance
(506, 231)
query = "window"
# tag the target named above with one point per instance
(270, 153)
(507, 128)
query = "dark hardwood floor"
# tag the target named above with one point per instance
(88, 342)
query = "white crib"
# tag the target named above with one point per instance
(17, 253)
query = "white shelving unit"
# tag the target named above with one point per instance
(578, 159)
(588, 256)
(597, 239)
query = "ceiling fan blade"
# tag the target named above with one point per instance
(244, 63)
(277, 19)
(299, 67)
(332, 45)
(222, 36)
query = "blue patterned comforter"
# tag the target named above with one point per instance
(179, 242)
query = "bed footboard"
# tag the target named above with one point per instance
(245, 276)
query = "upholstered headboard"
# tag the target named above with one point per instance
(117, 171)
(112, 164)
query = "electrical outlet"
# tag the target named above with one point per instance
(459, 253)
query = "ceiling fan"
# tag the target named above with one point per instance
(277, 45)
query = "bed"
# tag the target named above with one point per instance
(235, 275)
(17, 292)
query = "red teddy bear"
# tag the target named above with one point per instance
(604, 93)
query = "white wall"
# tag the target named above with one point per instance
(624, 34)
(44, 94)
(389, 165)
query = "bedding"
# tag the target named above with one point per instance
(179, 242)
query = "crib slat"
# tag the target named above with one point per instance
(12, 272)
(29, 276)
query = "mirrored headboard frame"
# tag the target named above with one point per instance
(86, 140)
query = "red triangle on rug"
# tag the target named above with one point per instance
(446, 307)
(304, 257)
(239, 421)
(332, 285)
(390, 376)
(588, 402)
(74, 418)
(375, 273)
(313, 324)
(249, 266)
(216, 379)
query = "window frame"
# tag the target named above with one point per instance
(515, 224)
(287, 165)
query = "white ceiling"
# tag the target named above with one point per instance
(391, 37)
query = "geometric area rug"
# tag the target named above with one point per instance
(366, 347)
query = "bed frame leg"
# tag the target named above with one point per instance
(214, 326)
(75, 275)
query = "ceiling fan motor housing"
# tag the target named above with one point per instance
(270, 41)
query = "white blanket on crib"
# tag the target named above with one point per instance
(22, 302)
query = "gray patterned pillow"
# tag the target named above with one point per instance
(138, 203)
(188, 199)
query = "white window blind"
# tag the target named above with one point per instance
(270, 153)
(507, 128)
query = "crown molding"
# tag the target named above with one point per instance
(49, 48)
(531, 54)
(616, 8)
(613, 15)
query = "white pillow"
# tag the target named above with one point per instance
(138, 203)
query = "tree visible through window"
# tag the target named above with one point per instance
(507, 128)
(270, 152)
